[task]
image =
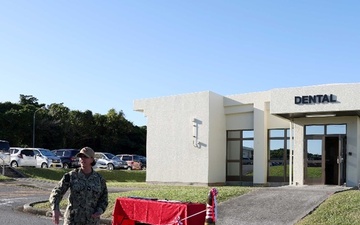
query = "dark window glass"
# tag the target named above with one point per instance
(234, 134)
(4, 145)
(27, 152)
(239, 155)
(233, 150)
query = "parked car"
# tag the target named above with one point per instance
(247, 161)
(124, 164)
(68, 157)
(4, 145)
(143, 161)
(106, 160)
(47, 158)
(133, 161)
(36, 157)
(4, 152)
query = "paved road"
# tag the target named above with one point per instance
(12, 199)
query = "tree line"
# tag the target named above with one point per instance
(55, 126)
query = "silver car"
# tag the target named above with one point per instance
(106, 160)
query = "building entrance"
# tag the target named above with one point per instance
(325, 159)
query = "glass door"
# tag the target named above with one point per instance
(325, 160)
(313, 161)
(335, 157)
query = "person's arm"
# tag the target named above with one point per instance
(103, 200)
(56, 196)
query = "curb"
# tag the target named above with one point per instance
(29, 208)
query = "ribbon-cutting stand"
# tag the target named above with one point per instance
(133, 210)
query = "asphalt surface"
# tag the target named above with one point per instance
(284, 205)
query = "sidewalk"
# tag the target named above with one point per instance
(284, 205)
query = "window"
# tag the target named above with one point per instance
(127, 158)
(28, 152)
(325, 129)
(336, 129)
(4, 145)
(278, 155)
(59, 153)
(315, 129)
(239, 155)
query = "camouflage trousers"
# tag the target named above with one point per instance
(88, 222)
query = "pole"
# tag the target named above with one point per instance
(291, 154)
(34, 127)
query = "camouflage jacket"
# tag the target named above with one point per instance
(88, 194)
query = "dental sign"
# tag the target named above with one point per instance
(314, 99)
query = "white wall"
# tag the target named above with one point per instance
(171, 155)
(282, 100)
(217, 140)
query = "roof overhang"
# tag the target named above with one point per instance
(318, 114)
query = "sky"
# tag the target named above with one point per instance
(102, 55)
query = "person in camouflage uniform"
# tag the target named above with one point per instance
(88, 197)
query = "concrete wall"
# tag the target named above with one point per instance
(217, 141)
(282, 100)
(172, 155)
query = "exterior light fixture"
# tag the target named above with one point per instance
(195, 133)
(320, 115)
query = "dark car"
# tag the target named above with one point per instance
(68, 157)
(143, 161)
(4, 146)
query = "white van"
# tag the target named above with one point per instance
(36, 157)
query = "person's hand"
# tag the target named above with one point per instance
(55, 216)
(96, 215)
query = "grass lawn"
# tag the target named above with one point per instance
(4, 178)
(340, 209)
(278, 171)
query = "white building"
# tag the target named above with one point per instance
(208, 139)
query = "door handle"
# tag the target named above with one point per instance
(340, 160)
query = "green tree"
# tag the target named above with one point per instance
(59, 127)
